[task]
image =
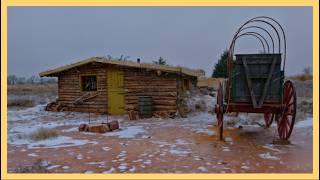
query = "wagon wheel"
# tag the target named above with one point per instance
(219, 111)
(268, 118)
(288, 115)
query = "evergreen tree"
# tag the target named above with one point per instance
(220, 69)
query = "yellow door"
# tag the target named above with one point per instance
(115, 91)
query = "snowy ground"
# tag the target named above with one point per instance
(182, 145)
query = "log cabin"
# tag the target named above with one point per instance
(102, 85)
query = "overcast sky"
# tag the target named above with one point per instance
(42, 38)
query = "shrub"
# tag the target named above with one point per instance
(37, 167)
(43, 133)
(20, 102)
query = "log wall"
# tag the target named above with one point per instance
(69, 89)
(164, 88)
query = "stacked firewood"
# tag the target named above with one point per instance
(55, 106)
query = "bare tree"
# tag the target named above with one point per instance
(307, 71)
(31, 80)
(12, 79)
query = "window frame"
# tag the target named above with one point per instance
(80, 80)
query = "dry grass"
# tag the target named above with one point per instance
(21, 103)
(209, 82)
(37, 167)
(43, 133)
(29, 95)
(32, 88)
(301, 77)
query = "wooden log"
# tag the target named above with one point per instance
(98, 128)
(132, 115)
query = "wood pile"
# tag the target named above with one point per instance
(55, 107)
(85, 97)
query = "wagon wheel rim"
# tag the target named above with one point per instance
(289, 103)
(268, 118)
(220, 111)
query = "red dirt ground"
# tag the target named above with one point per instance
(174, 146)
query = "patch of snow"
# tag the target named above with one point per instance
(182, 142)
(228, 139)
(147, 162)
(94, 163)
(203, 169)
(133, 169)
(272, 148)
(32, 155)
(44, 163)
(205, 101)
(145, 136)
(245, 167)
(268, 156)
(65, 167)
(179, 152)
(111, 170)
(106, 148)
(58, 142)
(225, 149)
(304, 124)
(73, 129)
(79, 156)
(88, 172)
(163, 144)
(206, 131)
(25, 114)
(22, 122)
(123, 166)
(138, 160)
(52, 167)
(128, 132)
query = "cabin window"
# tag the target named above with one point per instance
(88, 83)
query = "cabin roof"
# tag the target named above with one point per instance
(183, 70)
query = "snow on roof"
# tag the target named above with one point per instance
(183, 70)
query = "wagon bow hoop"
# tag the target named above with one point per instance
(258, 23)
(261, 23)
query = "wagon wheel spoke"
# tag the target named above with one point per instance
(290, 104)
